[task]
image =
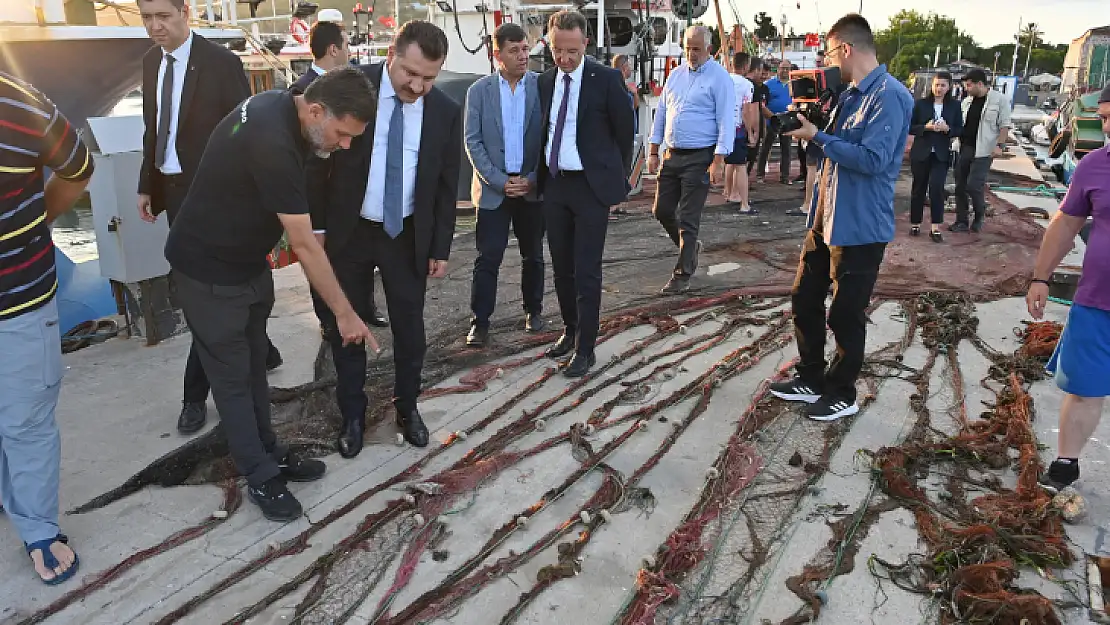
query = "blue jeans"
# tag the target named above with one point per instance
(30, 446)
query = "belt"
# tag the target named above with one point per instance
(690, 150)
(511, 174)
(378, 224)
(571, 173)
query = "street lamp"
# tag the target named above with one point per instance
(901, 26)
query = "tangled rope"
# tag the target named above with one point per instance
(1039, 339)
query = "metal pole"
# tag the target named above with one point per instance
(1029, 52)
(1017, 46)
(600, 29)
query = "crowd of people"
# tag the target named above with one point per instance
(358, 168)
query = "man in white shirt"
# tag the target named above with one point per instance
(747, 133)
(189, 85)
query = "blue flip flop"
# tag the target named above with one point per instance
(50, 562)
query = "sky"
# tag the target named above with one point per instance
(990, 22)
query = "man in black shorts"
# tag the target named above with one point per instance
(250, 185)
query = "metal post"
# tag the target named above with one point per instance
(1029, 52)
(601, 30)
(1017, 46)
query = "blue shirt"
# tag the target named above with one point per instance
(697, 109)
(863, 156)
(779, 100)
(513, 104)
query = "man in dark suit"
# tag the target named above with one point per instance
(503, 129)
(328, 43)
(587, 154)
(403, 228)
(189, 85)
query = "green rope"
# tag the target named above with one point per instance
(1059, 300)
(1042, 189)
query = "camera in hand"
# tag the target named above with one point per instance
(813, 93)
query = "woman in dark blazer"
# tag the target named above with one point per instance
(937, 120)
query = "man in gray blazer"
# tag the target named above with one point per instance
(503, 132)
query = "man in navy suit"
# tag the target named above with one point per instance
(503, 129)
(328, 43)
(403, 228)
(587, 153)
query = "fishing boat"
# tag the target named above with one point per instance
(85, 68)
(1077, 132)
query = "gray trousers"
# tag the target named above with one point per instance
(229, 333)
(30, 446)
(680, 192)
(971, 182)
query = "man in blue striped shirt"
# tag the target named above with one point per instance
(34, 136)
(696, 118)
(851, 221)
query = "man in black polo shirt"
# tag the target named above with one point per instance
(250, 185)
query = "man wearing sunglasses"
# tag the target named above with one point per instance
(851, 221)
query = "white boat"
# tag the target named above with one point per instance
(86, 70)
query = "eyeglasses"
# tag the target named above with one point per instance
(830, 52)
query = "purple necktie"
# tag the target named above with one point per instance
(560, 121)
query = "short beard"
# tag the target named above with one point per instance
(316, 137)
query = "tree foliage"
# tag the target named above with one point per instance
(910, 41)
(765, 27)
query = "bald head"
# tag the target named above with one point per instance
(697, 42)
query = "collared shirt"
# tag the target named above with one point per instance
(1089, 197)
(33, 135)
(513, 106)
(172, 165)
(778, 99)
(373, 203)
(697, 109)
(569, 159)
(994, 116)
(863, 159)
(319, 70)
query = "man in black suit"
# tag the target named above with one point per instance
(587, 154)
(328, 43)
(403, 228)
(189, 85)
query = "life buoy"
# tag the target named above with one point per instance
(299, 29)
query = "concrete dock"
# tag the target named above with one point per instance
(342, 562)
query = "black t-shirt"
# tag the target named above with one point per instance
(251, 171)
(761, 94)
(971, 125)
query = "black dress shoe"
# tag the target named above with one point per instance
(412, 426)
(273, 358)
(193, 416)
(534, 323)
(562, 347)
(579, 365)
(377, 319)
(478, 336)
(296, 468)
(350, 437)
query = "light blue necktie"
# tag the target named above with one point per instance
(393, 199)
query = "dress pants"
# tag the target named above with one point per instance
(370, 247)
(971, 182)
(680, 192)
(229, 336)
(170, 192)
(852, 272)
(576, 224)
(492, 237)
(30, 445)
(768, 141)
(929, 175)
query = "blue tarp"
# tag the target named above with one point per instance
(83, 294)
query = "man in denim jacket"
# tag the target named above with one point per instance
(851, 221)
